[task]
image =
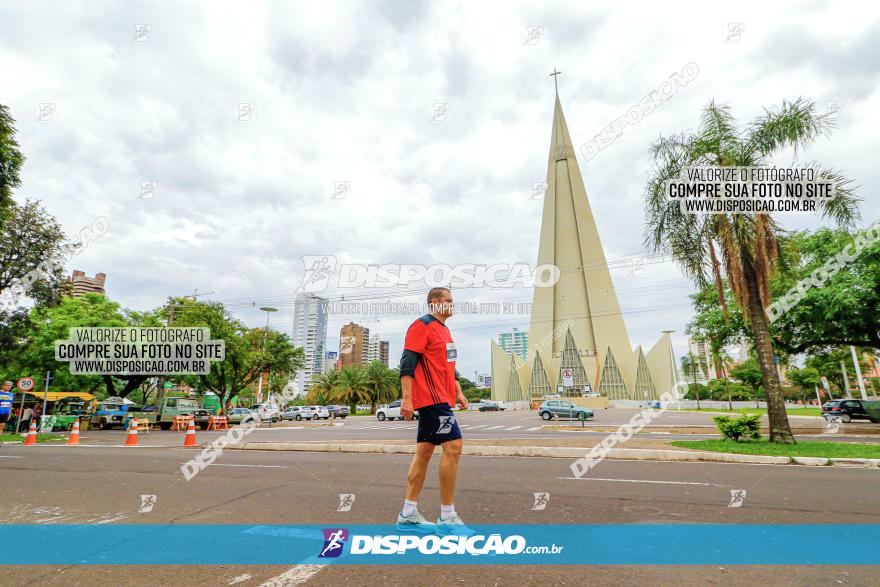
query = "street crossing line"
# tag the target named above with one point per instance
(642, 481)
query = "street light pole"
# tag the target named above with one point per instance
(858, 372)
(45, 398)
(268, 311)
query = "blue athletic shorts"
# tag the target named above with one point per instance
(437, 424)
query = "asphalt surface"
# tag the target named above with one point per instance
(490, 425)
(51, 484)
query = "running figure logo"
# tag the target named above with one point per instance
(147, 503)
(737, 496)
(346, 500)
(334, 540)
(541, 500)
(446, 423)
(318, 269)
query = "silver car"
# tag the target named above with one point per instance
(298, 413)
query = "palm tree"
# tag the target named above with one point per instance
(747, 244)
(351, 389)
(381, 383)
(321, 387)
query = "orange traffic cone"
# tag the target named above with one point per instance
(31, 439)
(190, 438)
(74, 433)
(132, 438)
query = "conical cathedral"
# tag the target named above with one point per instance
(577, 323)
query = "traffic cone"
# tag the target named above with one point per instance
(74, 433)
(132, 438)
(190, 438)
(31, 439)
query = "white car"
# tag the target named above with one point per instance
(298, 413)
(267, 412)
(321, 412)
(392, 411)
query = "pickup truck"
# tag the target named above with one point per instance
(109, 415)
(164, 414)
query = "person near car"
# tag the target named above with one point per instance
(429, 383)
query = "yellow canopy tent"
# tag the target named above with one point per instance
(54, 396)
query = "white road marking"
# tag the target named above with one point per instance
(10, 457)
(293, 576)
(494, 427)
(479, 426)
(535, 428)
(642, 481)
(255, 466)
(513, 428)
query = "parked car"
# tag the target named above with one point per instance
(392, 411)
(556, 408)
(852, 409)
(321, 412)
(298, 413)
(237, 415)
(267, 412)
(338, 411)
(490, 407)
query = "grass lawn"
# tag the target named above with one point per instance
(763, 411)
(40, 437)
(801, 449)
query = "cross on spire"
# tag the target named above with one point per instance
(554, 74)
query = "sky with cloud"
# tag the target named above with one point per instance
(247, 115)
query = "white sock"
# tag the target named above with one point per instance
(447, 511)
(408, 508)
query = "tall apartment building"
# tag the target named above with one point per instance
(81, 284)
(353, 342)
(330, 360)
(377, 350)
(514, 342)
(703, 355)
(310, 333)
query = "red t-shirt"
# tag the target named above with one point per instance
(434, 375)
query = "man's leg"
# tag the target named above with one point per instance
(418, 468)
(449, 471)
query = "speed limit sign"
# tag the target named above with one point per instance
(25, 384)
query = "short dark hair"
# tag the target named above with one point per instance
(436, 292)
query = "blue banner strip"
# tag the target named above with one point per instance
(532, 544)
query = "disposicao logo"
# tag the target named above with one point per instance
(334, 540)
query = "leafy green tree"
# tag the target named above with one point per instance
(744, 245)
(11, 160)
(844, 310)
(249, 352)
(321, 388)
(828, 364)
(32, 240)
(749, 372)
(381, 383)
(719, 325)
(36, 354)
(806, 379)
(352, 388)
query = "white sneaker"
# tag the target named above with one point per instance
(415, 522)
(454, 525)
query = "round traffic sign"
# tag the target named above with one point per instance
(25, 384)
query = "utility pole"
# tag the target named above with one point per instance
(858, 372)
(845, 380)
(45, 399)
(268, 311)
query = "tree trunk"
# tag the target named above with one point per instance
(780, 431)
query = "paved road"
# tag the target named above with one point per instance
(57, 484)
(475, 426)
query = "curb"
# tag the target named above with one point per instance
(638, 454)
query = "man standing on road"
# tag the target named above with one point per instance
(430, 385)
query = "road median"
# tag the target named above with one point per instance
(646, 454)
